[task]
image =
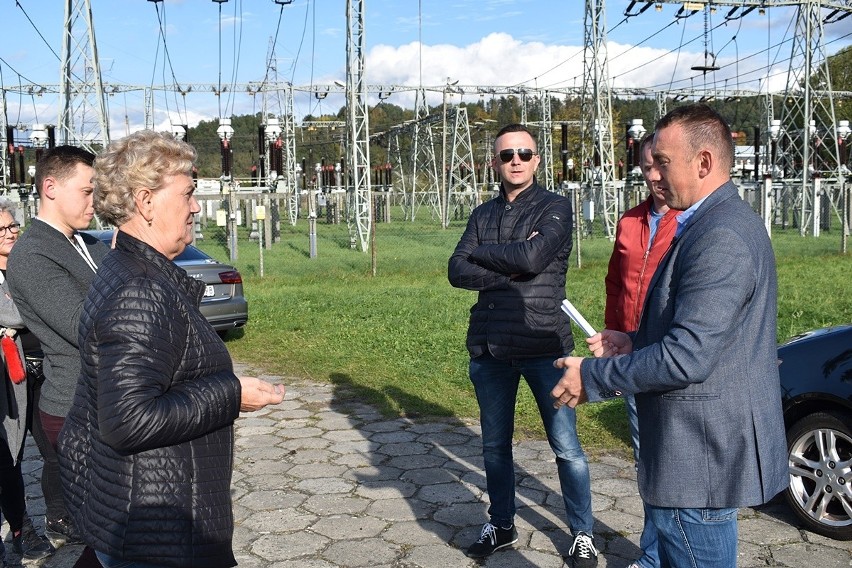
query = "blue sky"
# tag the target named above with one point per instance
(534, 43)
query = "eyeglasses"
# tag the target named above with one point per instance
(525, 154)
(14, 228)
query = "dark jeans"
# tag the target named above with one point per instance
(45, 432)
(496, 385)
(648, 541)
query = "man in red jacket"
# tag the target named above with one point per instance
(642, 238)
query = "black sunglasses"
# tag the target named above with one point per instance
(525, 154)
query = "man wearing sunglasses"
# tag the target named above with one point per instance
(514, 253)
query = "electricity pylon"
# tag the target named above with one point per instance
(599, 160)
(808, 128)
(462, 194)
(83, 119)
(424, 178)
(358, 126)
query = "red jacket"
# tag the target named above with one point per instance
(631, 268)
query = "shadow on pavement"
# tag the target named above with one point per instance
(435, 465)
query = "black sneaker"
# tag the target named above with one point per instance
(583, 552)
(30, 545)
(61, 532)
(491, 539)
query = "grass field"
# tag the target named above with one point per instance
(397, 339)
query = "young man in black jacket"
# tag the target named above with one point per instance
(514, 252)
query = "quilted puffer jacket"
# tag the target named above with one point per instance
(146, 452)
(516, 317)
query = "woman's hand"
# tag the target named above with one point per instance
(257, 393)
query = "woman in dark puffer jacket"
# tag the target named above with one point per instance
(146, 453)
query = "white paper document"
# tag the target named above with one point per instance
(577, 318)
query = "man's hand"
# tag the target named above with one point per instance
(609, 343)
(569, 390)
(257, 393)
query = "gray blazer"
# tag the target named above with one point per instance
(49, 281)
(704, 367)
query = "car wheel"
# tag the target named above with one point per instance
(819, 453)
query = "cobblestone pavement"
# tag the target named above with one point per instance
(323, 480)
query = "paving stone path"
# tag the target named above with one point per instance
(323, 480)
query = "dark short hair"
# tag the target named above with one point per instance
(515, 128)
(60, 162)
(702, 126)
(644, 143)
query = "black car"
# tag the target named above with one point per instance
(224, 304)
(816, 388)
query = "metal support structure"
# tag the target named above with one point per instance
(358, 126)
(545, 142)
(288, 135)
(599, 160)
(395, 158)
(808, 122)
(148, 102)
(425, 184)
(462, 195)
(4, 146)
(83, 119)
(662, 106)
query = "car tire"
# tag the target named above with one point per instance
(819, 455)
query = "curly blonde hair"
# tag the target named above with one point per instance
(143, 159)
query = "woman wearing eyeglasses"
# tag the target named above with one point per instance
(15, 411)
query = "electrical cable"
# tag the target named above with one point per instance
(313, 55)
(301, 42)
(162, 35)
(610, 60)
(168, 59)
(677, 58)
(27, 16)
(238, 43)
(219, 87)
(13, 70)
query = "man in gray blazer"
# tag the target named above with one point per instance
(49, 272)
(703, 362)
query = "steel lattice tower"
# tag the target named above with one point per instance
(83, 119)
(424, 161)
(288, 134)
(462, 196)
(599, 163)
(4, 144)
(808, 123)
(545, 142)
(358, 126)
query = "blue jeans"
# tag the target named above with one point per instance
(693, 538)
(108, 561)
(648, 541)
(496, 385)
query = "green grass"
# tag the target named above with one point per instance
(397, 339)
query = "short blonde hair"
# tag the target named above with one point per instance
(142, 160)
